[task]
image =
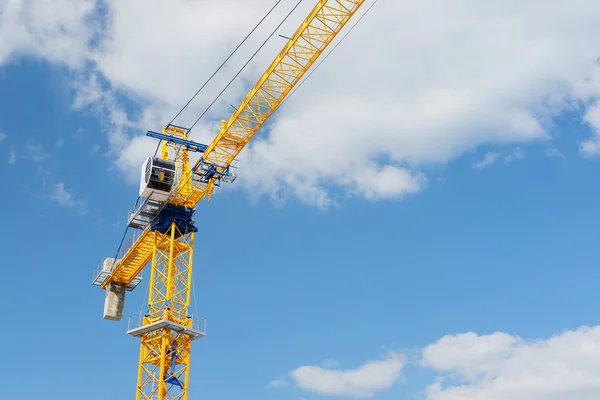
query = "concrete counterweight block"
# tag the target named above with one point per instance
(114, 302)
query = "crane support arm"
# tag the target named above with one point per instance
(313, 36)
(134, 260)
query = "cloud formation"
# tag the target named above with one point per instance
(501, 366)
(36, 151)
(277, 383)
(469, 366)
(368, 121)
(489, 159)
(67, 199)
(12, 158)
(57, 31)
(364, 381)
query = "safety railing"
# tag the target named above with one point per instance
(127, 243)
(136, 320)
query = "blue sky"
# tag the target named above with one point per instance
(508, 248)
(302, 294)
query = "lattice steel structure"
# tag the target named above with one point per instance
(165, 349)
(171, 189)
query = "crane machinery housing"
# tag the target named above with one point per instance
(170, 189)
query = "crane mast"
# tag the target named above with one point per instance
(171, 188)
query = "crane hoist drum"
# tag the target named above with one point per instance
(157, 178)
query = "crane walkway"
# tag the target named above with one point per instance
(133, 262)
(138, 327)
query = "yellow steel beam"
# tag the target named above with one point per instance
(168, 300)
(136, 258)
(165, 353)
(324, 22)
(321, 26)
(140, 253)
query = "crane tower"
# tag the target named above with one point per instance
(170, 189)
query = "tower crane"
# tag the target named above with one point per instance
(171, 186)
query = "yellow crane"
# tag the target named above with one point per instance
(170, 189)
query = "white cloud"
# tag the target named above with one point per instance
(514, 155)
(2, 136)
(56, 30)
(591, 146)
(489, 159)
(501, 366)
(59, 143)
(554, 152)
(278, 383)
(12, 158)
(66, 198)
(455, 77)
(364, 381)
(36, 150)
(469, 355)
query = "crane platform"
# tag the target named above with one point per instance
(105, 270)
(137, 329)
(100, 276)
(144, 214)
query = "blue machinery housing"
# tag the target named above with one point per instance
(182, 217)
(190, 145)
(206, 170)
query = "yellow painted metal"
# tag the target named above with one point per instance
(313, 36)
(184, 184)
(321, 26)
(134, 261)
(171, 253)
(140, 253)
(168, 300)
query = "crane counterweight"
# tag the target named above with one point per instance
(114, 300)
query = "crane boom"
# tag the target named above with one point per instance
(312, 37)
(321, 26)
(172, 188)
